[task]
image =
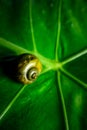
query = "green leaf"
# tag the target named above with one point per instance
(55, 31)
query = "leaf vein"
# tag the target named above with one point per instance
(32, 30)
(12, 102)
(73, 77)
(68, 60)
(63, 102)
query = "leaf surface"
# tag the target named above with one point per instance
(55, 31)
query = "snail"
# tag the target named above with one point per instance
(28, 68)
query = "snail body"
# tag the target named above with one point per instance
(28, 68)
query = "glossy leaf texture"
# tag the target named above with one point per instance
(55, 31)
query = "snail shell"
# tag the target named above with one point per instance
(28, 68)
